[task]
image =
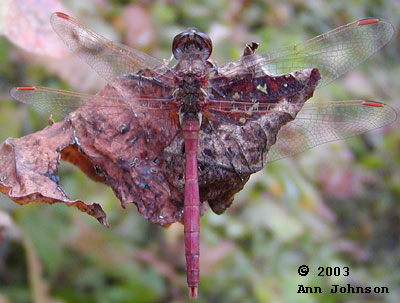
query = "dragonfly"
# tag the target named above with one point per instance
(255, 106)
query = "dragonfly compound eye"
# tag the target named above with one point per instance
(192, 43)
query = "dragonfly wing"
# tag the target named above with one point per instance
(54, 101)
(62, 102)
(317, 124)
(333, 53)
(109, 59)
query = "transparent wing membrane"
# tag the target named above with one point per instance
(333, 53)
(109, 59)
(61, 102)
(317, 124)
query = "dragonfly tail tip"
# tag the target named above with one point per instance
(193, 292)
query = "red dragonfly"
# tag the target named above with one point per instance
(268, 89)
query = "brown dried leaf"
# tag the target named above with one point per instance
(28, 166)
(125, 146)
(139, 153)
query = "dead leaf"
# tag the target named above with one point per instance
(29, 164)
(139, 153)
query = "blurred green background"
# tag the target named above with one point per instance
(335, 205)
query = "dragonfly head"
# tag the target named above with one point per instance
(192, 44)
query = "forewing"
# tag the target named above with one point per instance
(333, 53)
(109, 59)
(317, 124)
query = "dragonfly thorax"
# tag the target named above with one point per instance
(191, 77)
(190, 94)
